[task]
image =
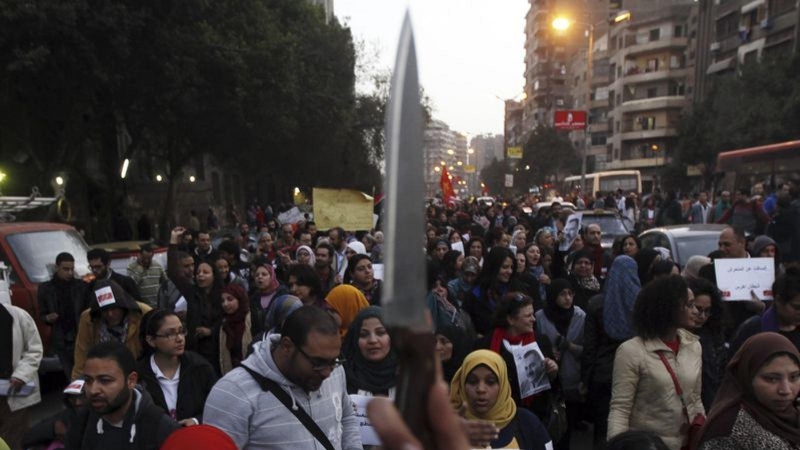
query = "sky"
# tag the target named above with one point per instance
(470, 52)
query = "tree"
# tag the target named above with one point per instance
(549, 154)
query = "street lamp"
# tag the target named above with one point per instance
(451, 152)
(192, 178)
(125, 165)
(437, 169)
(563, 24)
(60, 181)
(159, 178)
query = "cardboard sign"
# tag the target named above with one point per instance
(346, 208)
(531, 371)
(368, 434)
(105, 296)
(745, 278)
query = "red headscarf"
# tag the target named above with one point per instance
(737, 392)
(234, 324)
(197, 437)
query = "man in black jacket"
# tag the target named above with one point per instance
(99, 262)
(61, 301)
(120, 415)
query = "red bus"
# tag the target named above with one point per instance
(771, 164)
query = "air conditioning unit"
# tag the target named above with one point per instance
(714, 47)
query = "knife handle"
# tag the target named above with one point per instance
(417, 374)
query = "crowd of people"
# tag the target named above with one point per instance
(272, 337)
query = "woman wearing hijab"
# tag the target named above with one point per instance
(437, 249)
(348, 301)
(693, 266)
(234, 333)
(755, 407)
(658, 374)
(266, 288)
(597, 360)
(304, 255)
(562, 322)
(452, 345)
(459, 289)
(622, 288)
(370, 360)
(581, 276)
(360, 274)
(354, 248)
(645, 259)
(482, 387)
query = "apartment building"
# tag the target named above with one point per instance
(647, 91)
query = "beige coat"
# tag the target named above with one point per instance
(26, 355)
(225, 364)
(643, 396)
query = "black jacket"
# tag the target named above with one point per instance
(258, 315)
(48, 303)
(597, 359)
(197, 379)
(153, 427)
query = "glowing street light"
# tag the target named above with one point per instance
(125, 165)
(60, 181)
(192, 179)
(561, 23)
(470, 151)
(159, 178)
(443, 163)
(459, 163)
(451, 152)
(437, 169)
(2, 176)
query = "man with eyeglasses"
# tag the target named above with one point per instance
(100, 264)
(303, 367)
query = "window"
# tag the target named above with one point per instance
(675, 62)
(677, 88)
(727, 26)
(652, 65)
(599, 139)
(652, 92)
(655, 34)
(778, 7)
(646, 122)
(678, 31)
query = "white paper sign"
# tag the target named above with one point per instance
(75, 388)
(457, 246)
(745, 278)
(377, 271)
(368, 434)
(293, 215)
(531, 371)
(105, 296)
(181, 305)
(25, 391)
(571, 230)
(509, 180)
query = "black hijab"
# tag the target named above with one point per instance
(559, 316)
(461, 347)
(374, 377)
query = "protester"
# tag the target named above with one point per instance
(645, 260)
(178, 380)
(629, 245)
(451, 265)
(482, 387)
(562, 322)
(370, 361)
(304, 255)
(692, 269)
(360, 274)
(112, 316)
(497, 278)
(644, 394)
(100, 264)
(204, 310)
(755, 408)
(235, 333)
(537, 279)
(746, 213)
(452, 344)
(20, 355)
(782, 317)
(476, 248)
(601, 259)
(582, 277)
(267, 287)
(229, 278)
(180, 268)
(61, 301)
(459, 288)
(708, 325)
(147, 274)
(300, 366)
(347, 301)
(204, 251)
(121, 414)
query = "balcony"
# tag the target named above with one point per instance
(599, 103)
(643, 76)
(600, 127)
(630, 134)
(678, 43)
(647, 104)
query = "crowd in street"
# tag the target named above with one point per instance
(272, 337)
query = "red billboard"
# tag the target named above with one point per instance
(570, 120)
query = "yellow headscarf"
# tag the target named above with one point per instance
(347, 300)
(504, 410)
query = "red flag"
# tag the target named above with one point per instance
(447, 188)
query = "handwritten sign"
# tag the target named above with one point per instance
(105, 296)
(368, 434)
(346, 208)
(745, 278)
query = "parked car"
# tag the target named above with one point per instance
(29, 250)
(684, 241)
(123, 252)
(611, 223)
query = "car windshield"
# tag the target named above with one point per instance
(611, 225)
(695, 245)
(37, 251)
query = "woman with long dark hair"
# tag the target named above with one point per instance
(177, 379)
(497, 278)
(476, 248)
(204, 310)
(360, 274)
(709, 327)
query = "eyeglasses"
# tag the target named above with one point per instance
(172, 334)
(96, 266)
(703, 311)
(320, 364)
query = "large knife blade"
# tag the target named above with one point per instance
(404, 261)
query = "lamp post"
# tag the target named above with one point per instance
(563, 24)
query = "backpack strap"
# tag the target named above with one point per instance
(272, 387)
